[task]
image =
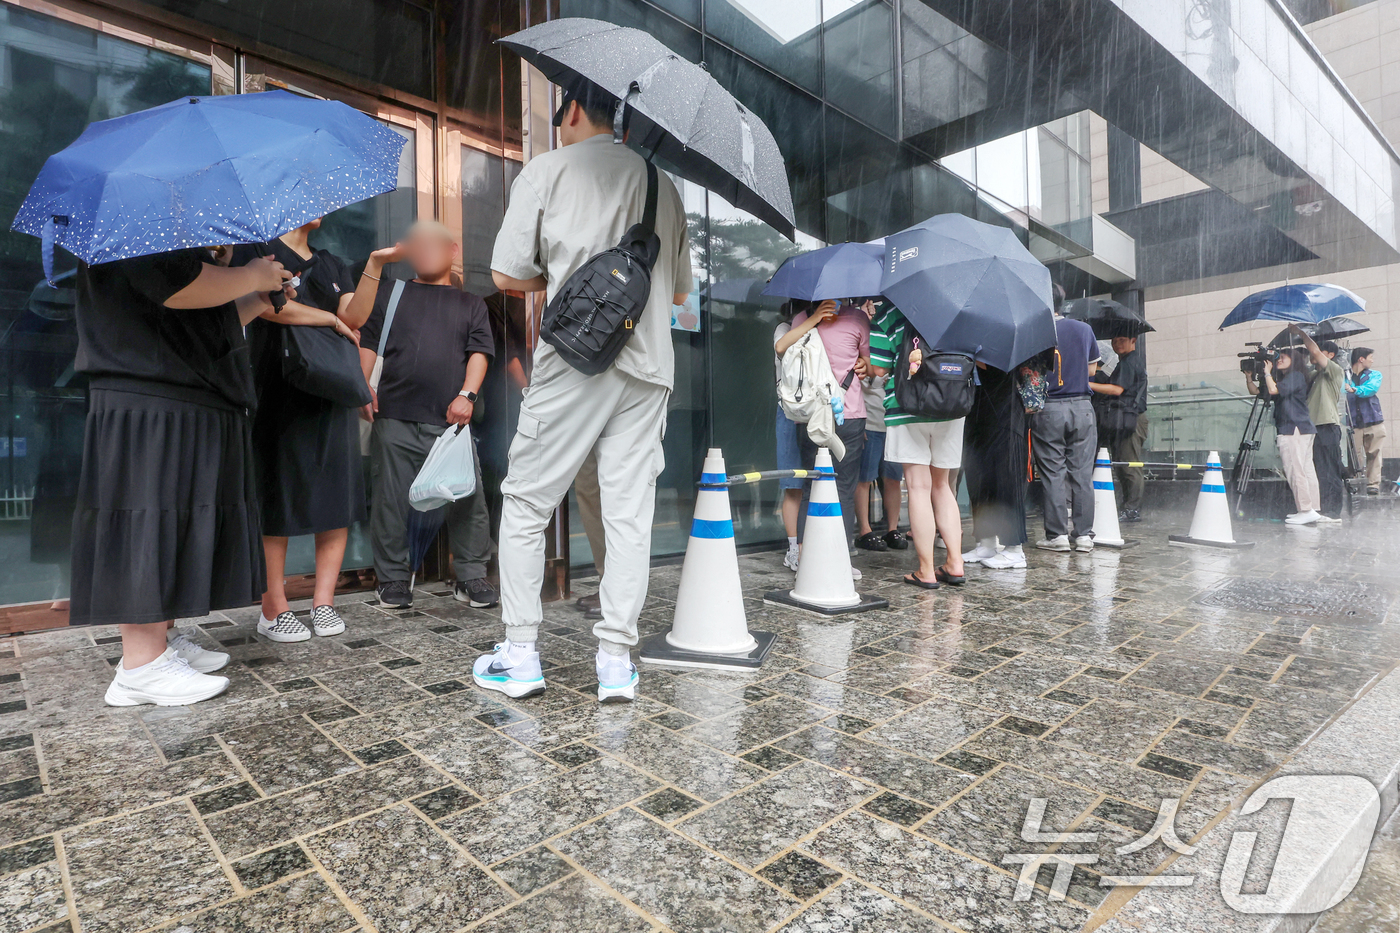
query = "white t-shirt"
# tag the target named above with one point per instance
(572, 203)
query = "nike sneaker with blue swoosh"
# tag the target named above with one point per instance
(510, 670)
(617, 678)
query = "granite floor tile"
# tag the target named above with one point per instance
(756, 725)
(17, 765)
(573, 906)
(800, 875)
(913, 777)
(668, 804)
(370, 688)
(310, 809)
(1112, 730)
(687, 695)
(542, 810)
(224, 797)
(301, 905)
(404, 875)
(765, 818)
(930, 729)
(488, 763)
(570, 725)
(1274, 727)
(27, 855)
(954, 888)
(1223, 756)
(110, 867)
(671, 756)
(531, 870)
(684, 886)
(405, 720)
(32, 898)
(287, 754)
(854, 908)
(897, 809)
(836, 697)
(259, 870)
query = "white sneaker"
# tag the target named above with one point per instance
(1327, 520)
(1008, 559)
(790, 558)
(617, 678)
(286, 627)
(201, 659)
(938, 543)
(1084, 543)
(855, 573)
(1057, 543)
(167, 681)
(326, 621)
(1309, 517)
(516, 676)
(980, 553)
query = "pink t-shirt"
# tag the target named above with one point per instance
(846, 340)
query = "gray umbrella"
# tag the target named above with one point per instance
(679, 112)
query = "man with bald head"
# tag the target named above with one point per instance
(436, 343)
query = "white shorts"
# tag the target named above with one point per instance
(929, 443)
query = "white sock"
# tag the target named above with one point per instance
(792, 542)
(988, 543)
(607, 657)
(1014, 551)
(518, 652)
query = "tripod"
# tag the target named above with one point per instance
(1249, 446)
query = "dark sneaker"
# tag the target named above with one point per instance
(1130, 516)
(872, 541)
(897, 540)
(476, 593)
(396, 594)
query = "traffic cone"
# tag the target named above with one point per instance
(709, 628)
(1106, 533)
(824, 582)
(1210, 526)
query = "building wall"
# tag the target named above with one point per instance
(1363, 46)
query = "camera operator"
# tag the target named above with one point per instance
(1286, 385)
(1324, 408)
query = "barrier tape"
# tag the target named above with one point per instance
(716, 480)
(1160, 466)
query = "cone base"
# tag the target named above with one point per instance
(785, 598)
(1120, 543)
(1188, 541)
(657, 650)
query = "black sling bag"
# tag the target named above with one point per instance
(595, 310)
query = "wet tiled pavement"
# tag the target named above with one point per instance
(874, 776)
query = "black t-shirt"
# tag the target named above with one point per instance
(1291, 404)
(124, 328)
(436, 328)
(1131, 376)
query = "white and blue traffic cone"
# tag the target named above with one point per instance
(1106, 533)
(1210, 526)
(824, 581)
(710, 628)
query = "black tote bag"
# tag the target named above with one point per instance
(320, 362)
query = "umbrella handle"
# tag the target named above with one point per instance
(277, 299)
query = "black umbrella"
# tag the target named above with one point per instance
(1107, 318)
(1334, 328)
(422, 529)
(679, 112)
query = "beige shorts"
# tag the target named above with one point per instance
(930, 443)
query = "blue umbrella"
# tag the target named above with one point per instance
(846, 270)
(205, 171)
(422, 530)
(969, 287)
(1300, 304)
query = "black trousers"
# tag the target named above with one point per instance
(1331, 474)
(852, 434)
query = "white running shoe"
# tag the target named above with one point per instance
(980, 553)
(1057, 543)
(1327, 520)
(617, 678)
(790, 558)
(286, 627)
(516, 676)
(326, 621)
(1008, 559)
(201, 659)
(1084, 543)
(1309, 517)
(855, 573)
(167, 681)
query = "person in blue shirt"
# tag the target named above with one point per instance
(1364, 406)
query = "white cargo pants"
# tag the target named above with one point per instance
(564, 416)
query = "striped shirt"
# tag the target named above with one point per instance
(886, 336)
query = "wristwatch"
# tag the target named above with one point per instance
(469, 396)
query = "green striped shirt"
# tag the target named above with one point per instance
(886, 335)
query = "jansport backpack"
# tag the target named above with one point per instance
(943, 387)
(595, 311)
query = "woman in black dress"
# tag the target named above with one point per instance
(166, 523)
(306, 448)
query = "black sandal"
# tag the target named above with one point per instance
(913, 579)
(943, 576)
(871, 541)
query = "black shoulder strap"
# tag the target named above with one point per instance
(649, 212)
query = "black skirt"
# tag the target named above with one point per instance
(166, 524)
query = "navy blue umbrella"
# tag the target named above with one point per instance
(1298, 304)
(969, 287)
(846, 270)
(206, 171)
(422, 530)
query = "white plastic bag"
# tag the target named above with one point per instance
(448, 474)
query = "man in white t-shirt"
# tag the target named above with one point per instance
(565, 207)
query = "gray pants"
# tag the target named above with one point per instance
(1064, 439)
(397, 450)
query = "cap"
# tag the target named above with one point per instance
(589, 95)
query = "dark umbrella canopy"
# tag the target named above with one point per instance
(1107, 318)
(970, 287)
(1335, 328)
(680, 112)
(846, 270)
(423, 527)
(1296, 304)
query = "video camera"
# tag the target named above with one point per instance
(1254, 362)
